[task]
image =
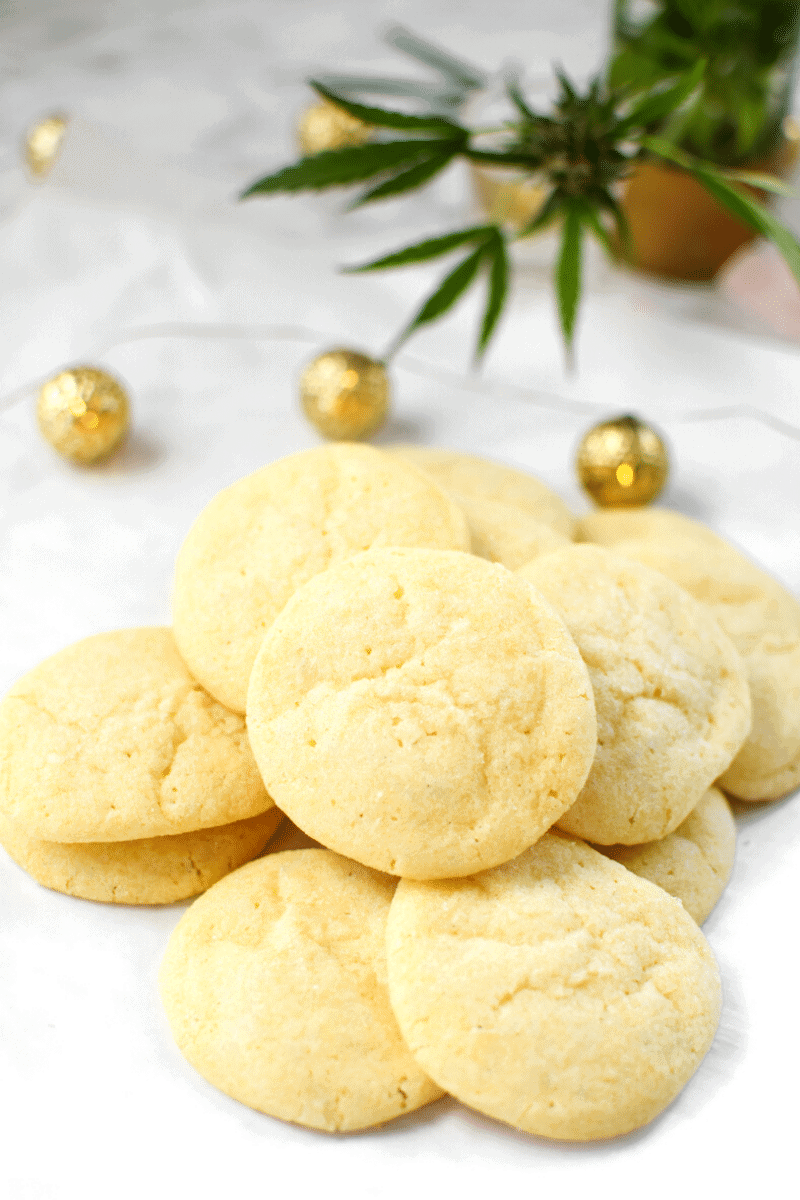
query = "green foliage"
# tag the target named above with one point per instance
(745, 46)
(581, 151)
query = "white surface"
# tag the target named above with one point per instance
(95, 1099)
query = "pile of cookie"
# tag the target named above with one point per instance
(446, 678)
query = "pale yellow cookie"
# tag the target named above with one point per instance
(607, 526)
(558, 992)
(762, 620)
(149, 871)
(673, 706)
(259, 540)
(467, 475)
(421, 711)
(694, 862)
(274, 985)
(507, 534)
(112, 739)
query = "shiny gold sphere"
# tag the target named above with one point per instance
(622, 463)
(325, 126)
(345, 395)
(83, 413)
(43, 143)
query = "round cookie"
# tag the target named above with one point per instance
(762, 620)
(673, 706)
(467, 475)
(421, 711)
(274, 985)
(148, 871)
(607, 526)
(507, 534)
(259, 540)
(558, 992)
(694, 862)
(112, 739)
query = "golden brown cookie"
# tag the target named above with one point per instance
(148, 871)
(673, 706)
(467, 475)
(558, 992)
(760, 617)
(507, 534)
(112, 739)
(421, 711)
(259, 540)
(274, 985)
(694, 862)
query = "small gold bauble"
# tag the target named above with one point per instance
(622, 463)
(325, 126)
(43, 143)
(345, 395)
(83, 413)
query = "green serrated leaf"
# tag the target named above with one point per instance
(737, 201)
(592, 222)
(381, 117)
(568, 271)
(655, 108)
(374, 85)
(452, 286)
(764, 183)
(547, 214)
(430, 248)
(415, 177)
(465, 74)
(501, 158)
(351, 164)
(496, 293)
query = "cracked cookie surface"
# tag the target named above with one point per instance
(147, 871)
(673, 705)
(694, 862)
(274, 985)
(558, 992)
(266, 535)
(759, 615)
(422, 712)
(482, 479)
(111, 739)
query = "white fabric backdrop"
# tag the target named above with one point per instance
(136, 230)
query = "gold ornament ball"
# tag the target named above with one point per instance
(325, 126)
(345, 395)
(83, 413)
(622, 463)
(43, 143)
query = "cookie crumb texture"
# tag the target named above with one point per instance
(147, 871)
(112, 739)
(759, 615)
(274, 985)
(259, 540)
(559, 992)
(422, 712)
(673, 704)
(694, 862)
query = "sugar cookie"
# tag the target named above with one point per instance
(507, 534)
(468, 475)
(762, 620)
(259, 540)
(111, 739)
(421, 711)
(673, 706)
(558, 992)
(274, 985)
(694, 862)
(148, 871)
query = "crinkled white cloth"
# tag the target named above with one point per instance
(208, 309)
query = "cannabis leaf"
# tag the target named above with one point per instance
(351, 164)
(386, 119)
(737, 201)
